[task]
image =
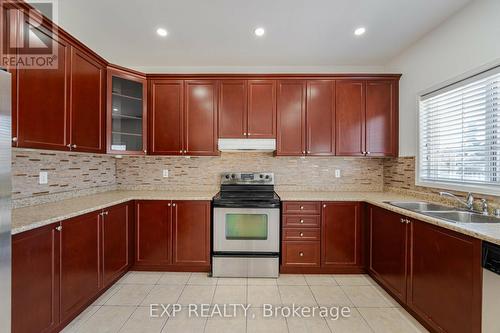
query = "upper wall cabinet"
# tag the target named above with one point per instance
(59, 108)
(342, 117)
(87, 106)
(183, 117)
(382, 118)
(247, 109)
(126, 120)
(306, 117)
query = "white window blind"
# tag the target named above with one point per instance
(459, 133)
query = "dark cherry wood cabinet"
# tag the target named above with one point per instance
(116, 229)
(191, 233)
(127, 116)
(247, 109)
(80, 263)
(261, 119)
(433, 272)
(445, 278)
(184, 118)
(291, 108)
(87, 102)
(322, 237)
(153, 233)
(350, 117)
(341, 235)
(166, 100)
(42, 97)
(233, 109)
(381, 118)
(35, 280)
(388, 244)
(200, 117)
(320, 117)
(172, 235)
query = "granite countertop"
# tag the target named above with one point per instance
(485, 231)
(31, 217)
(28, 218)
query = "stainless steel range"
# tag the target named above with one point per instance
(246, 226)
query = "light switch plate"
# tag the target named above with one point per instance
(165, 173)
(337, 173)
(43, 177)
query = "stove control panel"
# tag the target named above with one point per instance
(250, 178)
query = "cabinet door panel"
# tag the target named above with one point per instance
(115, 242)
(80, 273)
(191, 233)
(43, 121)
(381, 118)
(301, 254)
(87, 102)
(233, 109)
(166, 117)
(445, 278)
(341, 234)
(350, 117)
(153, 233)
(388, 249)
(200, 117)
(261, 109)
(321, 117)
(35, 280)
(291, 110)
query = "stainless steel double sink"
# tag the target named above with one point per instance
(444, 212)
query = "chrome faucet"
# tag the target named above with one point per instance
(484, 207)
(469, 199)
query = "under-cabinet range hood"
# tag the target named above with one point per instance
(250, 145)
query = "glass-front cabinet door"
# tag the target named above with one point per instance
(126, 122)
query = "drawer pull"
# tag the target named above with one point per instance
(301, 254)
(301, 221)
(402, 220)
(301, 207)
(301, 234)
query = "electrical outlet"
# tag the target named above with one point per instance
(165, 173)
(337, 173)
(43, 177)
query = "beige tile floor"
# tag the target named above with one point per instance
(125, 306)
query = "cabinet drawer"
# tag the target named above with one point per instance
(305, 254)
(302, 207)
(301, 234)
(306, 221)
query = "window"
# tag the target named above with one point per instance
(459, 143)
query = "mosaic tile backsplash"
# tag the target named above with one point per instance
(291, 173)
(399, 176)
(69, 175)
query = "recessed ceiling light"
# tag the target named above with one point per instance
(162, 32)
(359, 31)
(259, 32)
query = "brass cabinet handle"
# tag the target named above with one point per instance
(173, 204)
(402, 220)
(301, 234)
(301, 207)
(14, 139)
(301, 221)
(73, 146)
(59, 228)
(301, 254)
(324, 205)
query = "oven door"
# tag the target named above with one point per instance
(246, 230)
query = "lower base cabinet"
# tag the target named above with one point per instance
(173, 235)
(35, 280)
(434, 272)
(445, 278)
(322, 237)
(59, 269)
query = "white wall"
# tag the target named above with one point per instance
(468, 40)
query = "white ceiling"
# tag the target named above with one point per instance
(308, 35)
